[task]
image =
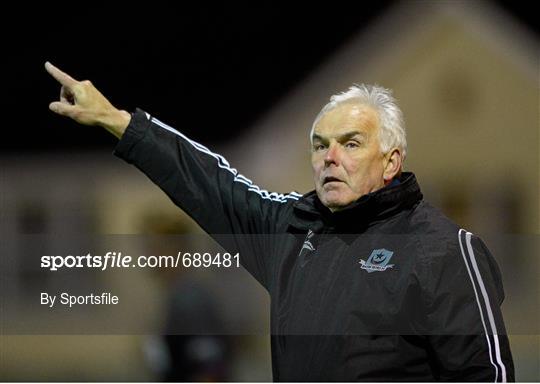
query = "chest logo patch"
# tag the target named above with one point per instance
(307, 243)
(307, 249)
(377, 261)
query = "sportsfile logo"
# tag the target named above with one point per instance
(377, 261)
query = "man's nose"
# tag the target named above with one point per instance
(333, 155)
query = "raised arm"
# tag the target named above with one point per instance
(199, 181)
(82, 102)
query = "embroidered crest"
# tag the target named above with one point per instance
(377, 261)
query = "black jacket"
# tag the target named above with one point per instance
(388, 289)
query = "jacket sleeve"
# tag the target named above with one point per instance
(467, 336)
(206, 187)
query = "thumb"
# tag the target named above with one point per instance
(63, 109)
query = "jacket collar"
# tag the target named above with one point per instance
(310, 213)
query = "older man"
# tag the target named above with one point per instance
(367, 280)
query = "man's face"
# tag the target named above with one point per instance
(346, 157)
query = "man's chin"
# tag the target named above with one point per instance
(335, 203)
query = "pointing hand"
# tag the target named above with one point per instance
(82, 102)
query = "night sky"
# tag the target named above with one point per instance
(214, 68)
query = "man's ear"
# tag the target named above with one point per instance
(392, 164)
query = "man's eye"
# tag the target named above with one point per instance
(319, 147)
(352, 144)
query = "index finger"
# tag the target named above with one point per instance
(62, 77)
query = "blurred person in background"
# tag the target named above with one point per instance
(368, 281)
(193, 347)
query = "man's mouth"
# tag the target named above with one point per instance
(330, 179)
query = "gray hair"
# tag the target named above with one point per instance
(392, 131)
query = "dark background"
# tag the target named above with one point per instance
(213, 68)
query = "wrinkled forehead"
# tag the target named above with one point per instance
(347, 117)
